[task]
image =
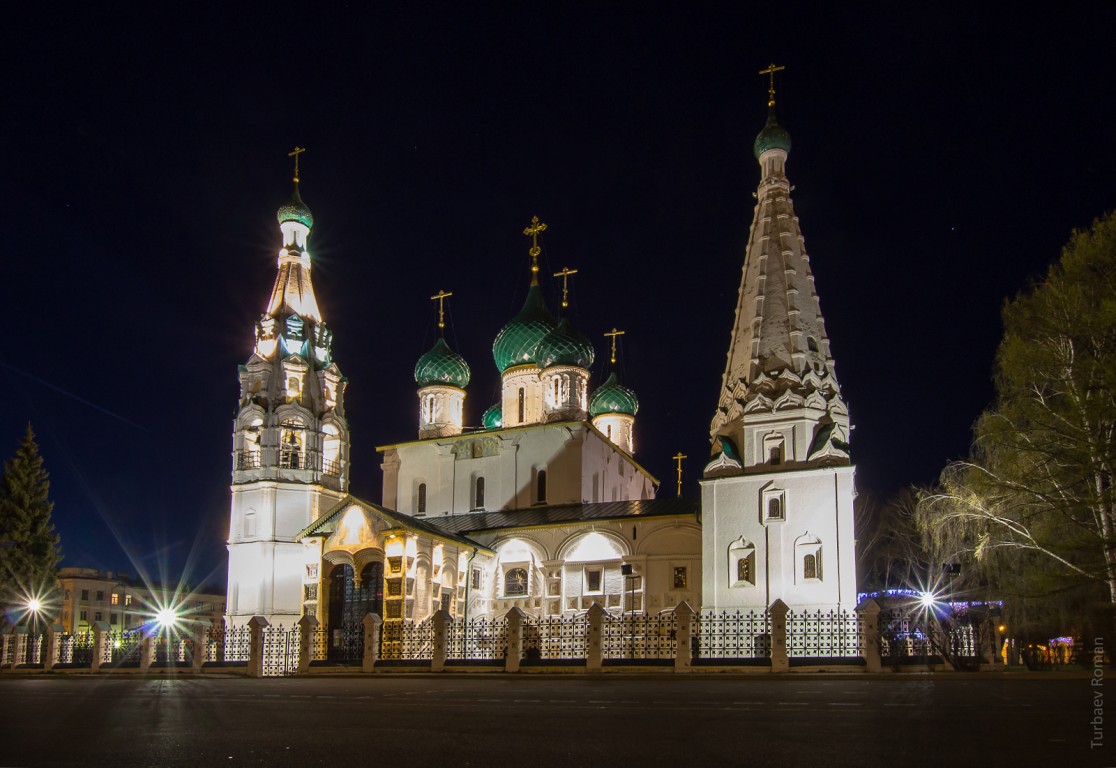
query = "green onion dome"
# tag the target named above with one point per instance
(564, 346)
(295, 210)
(493, 418)
(773, 136)
(517, 341)
(613, 397)
(441, 365)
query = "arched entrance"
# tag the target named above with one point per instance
(349, 603)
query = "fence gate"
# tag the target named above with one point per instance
(280, 651)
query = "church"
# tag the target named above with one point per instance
(544, 505)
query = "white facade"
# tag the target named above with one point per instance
(513, 468)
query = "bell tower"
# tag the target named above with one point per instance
(290, 459)
(777, 497)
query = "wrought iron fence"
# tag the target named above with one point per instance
(227, 644)
(824, 634)
(319, 643)
(28, 649)
(556, 637)
(280, 651)
(346, 644)
(172, 649)
(407, 640)
(731, 635)
(477, 639)
(639, 636)
(122, 648)
(76, 650)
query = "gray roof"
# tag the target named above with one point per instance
(561, 514)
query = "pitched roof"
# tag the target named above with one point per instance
(326, 524)
(564, 514)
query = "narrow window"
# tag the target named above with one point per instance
(478, 494)
(680, 577)
(515, 582)
(777, 454)
(556, 396)
(811, 344)
(608, 432)
(114, 618)
(83, 615)
(592, 579)
(420, 507)
(774, 508)
(743, 570)
(522, 405)
(98, 616)
(541, 487)
(100, 596)
(127, 599)
(85, 594)
(810, 567)
(474, 582)
(115, 599)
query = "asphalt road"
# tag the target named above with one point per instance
(539, 722)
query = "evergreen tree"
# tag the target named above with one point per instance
(29, 552)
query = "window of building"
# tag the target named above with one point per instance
(420, 505)
(776, 455)
(515, 582)
(774, 508)
(522, 405)
(113, 618)
(85, 594)
(312, 571)
(249, 525)
(680, 577)
(127, 599)
(100, 596)
(540, 487)
(478, 494)
(114, 599)
(98, 616)
(309, 591)
(475, 579)
(743, 569)
(810, 567)
(592, 580)
(83, 615)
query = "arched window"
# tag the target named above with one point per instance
(420, 504)
(774, 508)
(478, 493)
(556, 396)
(515, 582)
(522, 405)
(811, 344)
(810, 567)
(540, 487)
(744, 569)
(776, 454)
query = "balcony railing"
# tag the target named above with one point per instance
(288, 459)
(247, 459)
(332, 468)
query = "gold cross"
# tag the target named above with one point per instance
(770, 72)
(533, 232)
(295, 153)
(441, 297)
(614, 333)
(678, 459)
(565, 275)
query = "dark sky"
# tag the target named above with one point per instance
(941, 159)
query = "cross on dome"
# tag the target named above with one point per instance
(441, 297)
(565, 275)
(770, 72)
(533, 232)
(295, 153)
(613, 334)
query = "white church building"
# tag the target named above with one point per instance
(543, 505)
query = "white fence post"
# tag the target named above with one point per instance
(372, 624)
(442, 621)
(515, 618)
(595, 649)
(683, 653)
(778, 612)
(256, 626)
(306, 627)
(869, 614)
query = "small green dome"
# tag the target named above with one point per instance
(564, 346)
(295, 210)
(493, 418)
(517, 341)
(773, 136)
(613, 397)
(441, 365)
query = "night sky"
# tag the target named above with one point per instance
(940, 161)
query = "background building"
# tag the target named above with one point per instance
(125, 602)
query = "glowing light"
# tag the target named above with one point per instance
(927, 600)
(116, 643)
(34, 605)
(166, 617)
